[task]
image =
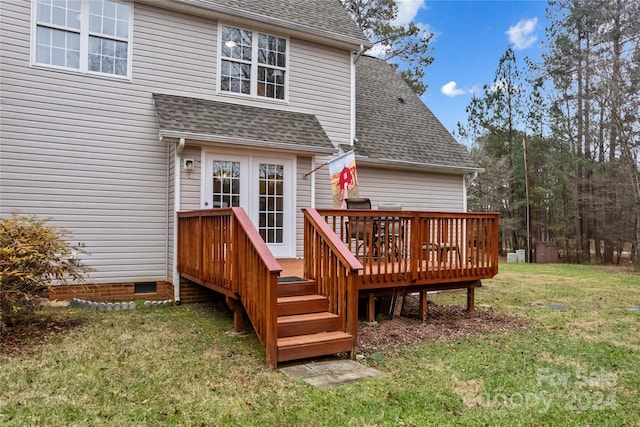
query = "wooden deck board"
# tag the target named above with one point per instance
(292, 267)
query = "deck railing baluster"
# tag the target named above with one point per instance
(438, 247)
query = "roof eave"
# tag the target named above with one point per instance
(222, 12)
(243, 142)
(421, 166)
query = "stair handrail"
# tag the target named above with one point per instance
(342, 251)
(257, 272)
(335, 269)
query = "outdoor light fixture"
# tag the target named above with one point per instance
(188, 165)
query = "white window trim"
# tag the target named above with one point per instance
(254, 66)
(84, 43)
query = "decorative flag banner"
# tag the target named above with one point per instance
(344, 179)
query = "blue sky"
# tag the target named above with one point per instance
(469, 39)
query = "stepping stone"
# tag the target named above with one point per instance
(556, 306)
(330, 373)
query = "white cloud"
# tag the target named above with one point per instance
(503, 86)
(522, 35)
(408, 10)
(407, 13)
(426, 29)
(379, 51)
(451, 89)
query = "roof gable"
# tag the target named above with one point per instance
(394, 126)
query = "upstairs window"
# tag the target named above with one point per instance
(252, 63)
(88, 36)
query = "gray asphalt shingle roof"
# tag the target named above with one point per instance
(400, 130)
(179, 115)
(326, 17)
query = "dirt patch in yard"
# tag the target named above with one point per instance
(444, 323)
(40, 329)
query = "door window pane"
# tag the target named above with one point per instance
(270, 214)
(226, 184)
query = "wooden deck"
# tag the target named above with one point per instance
(347, 255)
(412, 248)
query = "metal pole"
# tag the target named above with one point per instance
(526, 186)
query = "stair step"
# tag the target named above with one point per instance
(302, 304)
(302, 287)
(309, 323)
(313, 345)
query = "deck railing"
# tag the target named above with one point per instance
(221, 249)
(334, 268)
(417, 247)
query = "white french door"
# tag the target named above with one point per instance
(264, 186)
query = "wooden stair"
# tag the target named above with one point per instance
(306, 328)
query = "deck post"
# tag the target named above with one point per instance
(423, 305)
(371, 307)
(352, 310)
(238, 313)
(471, 298)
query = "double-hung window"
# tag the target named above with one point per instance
(252, 63)
(84, 35)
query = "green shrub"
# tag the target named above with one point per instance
(34, 255)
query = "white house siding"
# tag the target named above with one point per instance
(414, 190)
(190, 181)
(303, 199)
(84, 149)
(320, 84)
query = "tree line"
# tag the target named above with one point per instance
(574, 117)
(577, 115)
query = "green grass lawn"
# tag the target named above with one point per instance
(179, 366)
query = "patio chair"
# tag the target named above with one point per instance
(358, 203)
(392, 230)
(358, 228)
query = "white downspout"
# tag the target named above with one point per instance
(354, 59)
(176, 208)
(313, 183)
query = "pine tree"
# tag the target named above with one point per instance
(404, 46)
